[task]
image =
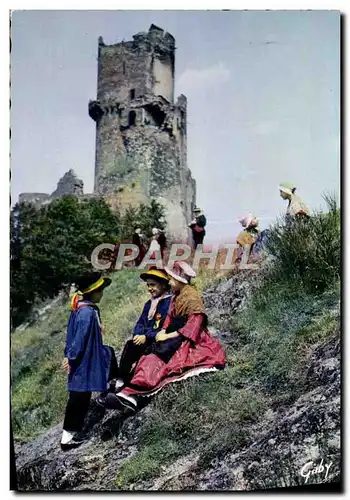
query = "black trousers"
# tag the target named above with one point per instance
(76, 411)
(198, 238)
(78, 402)
(130, 355)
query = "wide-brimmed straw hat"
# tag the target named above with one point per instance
(182, 272)
(156, 274)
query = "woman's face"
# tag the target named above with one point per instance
(175, 285)
(156, 288)
(284, 195)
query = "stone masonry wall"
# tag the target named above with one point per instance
(141, 135)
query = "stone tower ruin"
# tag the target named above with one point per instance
(141, 133)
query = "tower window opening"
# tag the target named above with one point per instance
(132, 94)
(132, 118)
(124, 66)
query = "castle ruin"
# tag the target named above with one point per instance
(141, 134)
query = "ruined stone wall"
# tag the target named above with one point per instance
(69, 184)
(163, 79)
(121, 68)
(37, 199)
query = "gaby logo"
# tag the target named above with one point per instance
(312, 469)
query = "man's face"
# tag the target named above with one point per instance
(96, 296)
(155, 288)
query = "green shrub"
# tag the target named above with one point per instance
(307, 251)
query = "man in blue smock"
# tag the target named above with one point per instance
(89, 363)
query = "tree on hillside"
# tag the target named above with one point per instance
(50, 246)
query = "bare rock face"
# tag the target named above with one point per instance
(290, 443)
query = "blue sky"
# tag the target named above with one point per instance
(263, 102)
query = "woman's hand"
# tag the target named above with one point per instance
(139, 339)
(65, 365)
(162, 335)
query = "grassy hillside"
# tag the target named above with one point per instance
(294, 307)
(267, 367)
(38, 383)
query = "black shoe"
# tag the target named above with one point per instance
(102, 400)
(73, 443)
(119, 403)
(111, 388)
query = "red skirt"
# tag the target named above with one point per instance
(192, 358)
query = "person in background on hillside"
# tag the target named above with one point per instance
(198, 227)
(296, 207)
(138, 240)
(249, 234)
(162, 243)
(154, 246)
(183, 348)
(147, 327)
(89, 363)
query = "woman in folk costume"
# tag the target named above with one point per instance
(183, 348)
(249, 235)
(154, 246)
(89, 363)
(296, 207)
(148, 325)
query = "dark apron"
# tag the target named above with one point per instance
(167, 348)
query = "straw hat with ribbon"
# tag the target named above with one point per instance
(88, 284)
(156, 274)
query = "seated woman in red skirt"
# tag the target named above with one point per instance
(183, 348)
